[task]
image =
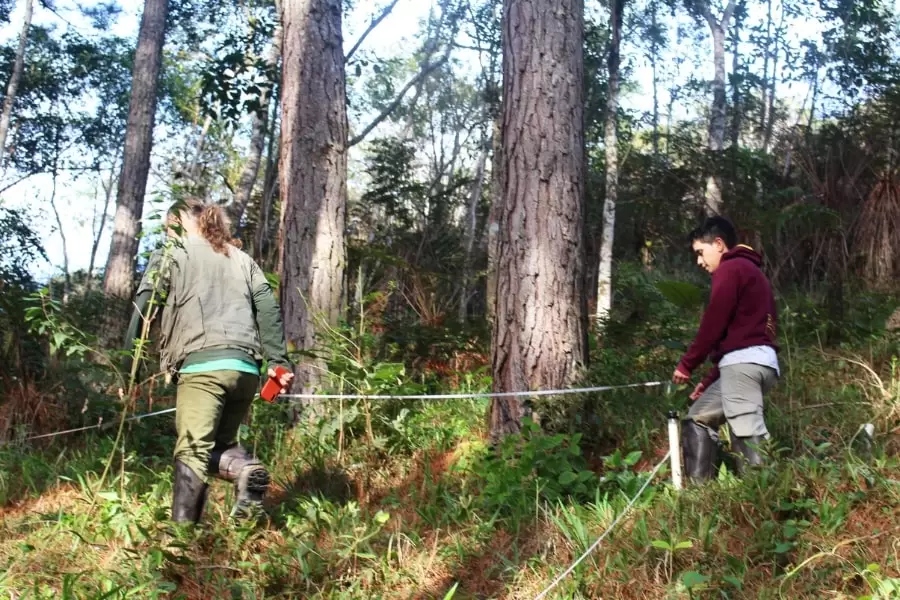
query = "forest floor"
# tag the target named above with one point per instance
(425, 509)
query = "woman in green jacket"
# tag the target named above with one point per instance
(219, 321)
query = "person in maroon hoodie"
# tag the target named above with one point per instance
(738, 334)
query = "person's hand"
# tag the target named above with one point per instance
(679, 377)
(698, 391)
(284, 381)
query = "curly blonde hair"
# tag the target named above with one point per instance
(214, 224)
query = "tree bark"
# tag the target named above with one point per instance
(604, 273)
(258, 129)
(13, 86)
(539, 338)
(118, 281)
(313, 174)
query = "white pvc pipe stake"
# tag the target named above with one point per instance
(675, 450)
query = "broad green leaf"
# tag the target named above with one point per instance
(567, 478)
(681, 293)
(662, 545)
(692, 579)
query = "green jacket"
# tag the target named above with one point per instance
(213, 307)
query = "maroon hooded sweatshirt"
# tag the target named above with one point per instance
(741, 313)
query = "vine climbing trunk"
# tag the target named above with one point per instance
(118, 281)
(539, 336)
(313, 174)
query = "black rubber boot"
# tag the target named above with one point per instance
(746, 450)
(188, 495)
(699, 450)
(250, 477)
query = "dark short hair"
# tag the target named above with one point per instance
(715, 227)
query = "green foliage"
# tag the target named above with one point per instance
(532, 468)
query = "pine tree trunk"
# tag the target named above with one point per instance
(13, 86)
(118, 281)
(313, 174)
(604, 274)
(539, 336)
(259, 121)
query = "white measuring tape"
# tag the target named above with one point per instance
(587, 390)
(99, 425)
(674, 449)
(608, 529)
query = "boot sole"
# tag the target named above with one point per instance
(258, 481)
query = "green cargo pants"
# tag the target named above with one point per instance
(209, 409)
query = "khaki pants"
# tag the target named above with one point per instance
(209, 410)
(736, 397)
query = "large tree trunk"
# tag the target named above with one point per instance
(604, 274)
(539, 336)
(313, 174)
(717, 28)
(118, 281)
(13, 85)
(258, 130)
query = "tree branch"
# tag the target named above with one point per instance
(729, 10)
(375, 22)
(425, 72)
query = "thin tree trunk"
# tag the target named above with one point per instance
(118, 282)
(736, 108)
(13, 86)
(764, 83)
(539, 336)
(812, 103)
(193, 169)
(67, 275)
(717, 110)
(654, 49)
(471, 225)
(260, 119)
(107, 197)
(313, 174)
(604, 273)
(494, 216)
(270, 185)
(773, 82)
